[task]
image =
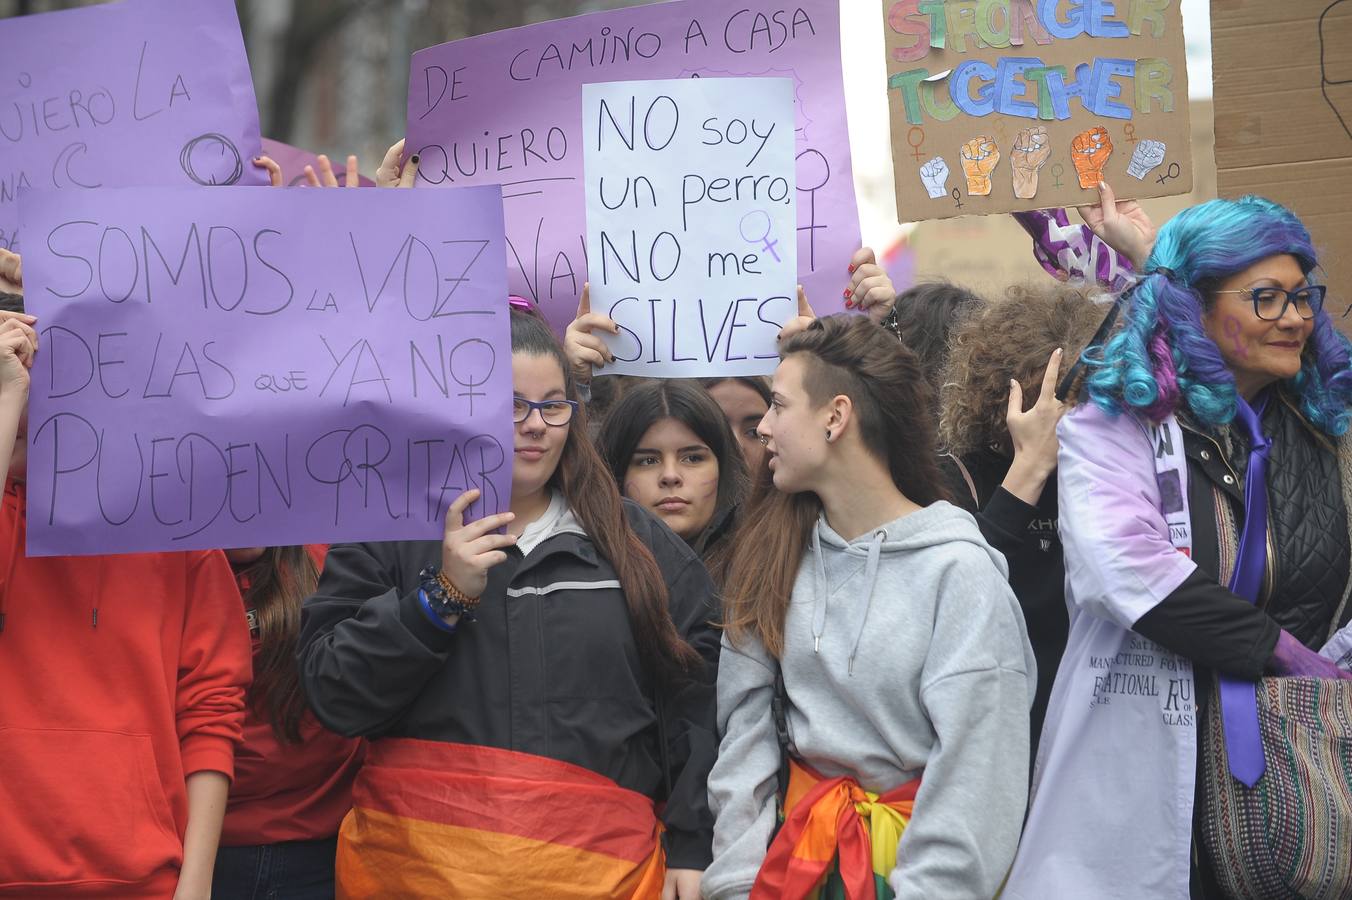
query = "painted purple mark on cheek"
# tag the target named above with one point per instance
(1234, 330)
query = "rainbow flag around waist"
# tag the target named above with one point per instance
(433, 819)
(838, 840)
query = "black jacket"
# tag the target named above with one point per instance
(1030, 539)
(550, 667)
(1308, 547)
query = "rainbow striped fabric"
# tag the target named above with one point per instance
(432, 819)
(838, 842)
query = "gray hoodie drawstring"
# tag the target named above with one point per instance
(819, 599)
(875, 550)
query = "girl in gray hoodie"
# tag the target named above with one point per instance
(907, 673)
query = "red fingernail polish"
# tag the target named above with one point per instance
(851, 268)
(847, 294)
(849, 304)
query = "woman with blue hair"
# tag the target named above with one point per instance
(1204, 501)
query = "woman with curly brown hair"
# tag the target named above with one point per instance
(999, 417)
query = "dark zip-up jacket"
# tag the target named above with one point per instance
(550, 667)
(1030, 539)
(1307, 554)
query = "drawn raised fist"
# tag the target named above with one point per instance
(1090, 151)
(1030, 153)
(1145, 158)
(934, 175)
(980, 156)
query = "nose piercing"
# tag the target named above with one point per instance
(765, 441)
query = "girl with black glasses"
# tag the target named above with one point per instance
(531, 696)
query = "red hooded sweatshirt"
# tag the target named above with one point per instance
(119, 677)
(285, 791)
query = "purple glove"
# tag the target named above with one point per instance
(1294, 659)
(1074, 253)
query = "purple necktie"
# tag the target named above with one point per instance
(1239, 701)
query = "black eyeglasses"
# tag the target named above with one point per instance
(553, 412)
(1270, 303)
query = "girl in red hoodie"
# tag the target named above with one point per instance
(123, 681)
(293, 777)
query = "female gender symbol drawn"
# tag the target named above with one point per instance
(764, 237)
(915, 139)
(1130, 131)
(1173, 172)
(1057, 171)
(957, 197)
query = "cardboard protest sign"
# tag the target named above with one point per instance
(293, 161)
(1004, 105)
(1284, 129)
(507, 108)
(691, 222)
(136, 92)
(255, 368)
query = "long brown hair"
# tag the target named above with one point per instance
(589, 489)
(850, 356)
(274, 587)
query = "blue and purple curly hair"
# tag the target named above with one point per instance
(1162, 359)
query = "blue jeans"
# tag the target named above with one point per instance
(295, 870)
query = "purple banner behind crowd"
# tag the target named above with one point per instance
(506, 108)
(255, 368)
(136, 92)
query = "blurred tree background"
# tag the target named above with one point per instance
(331, 76)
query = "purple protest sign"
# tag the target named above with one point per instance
(293, 161)
(136, 92)
(506, 108)
(251, 368)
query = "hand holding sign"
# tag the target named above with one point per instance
(1089, 152)
(469, 551)
(11, 272)
(871, 289)
(585, 350)
(1031, 149)
(980, 156)
(1122, 225)
(393, 172)
(275, 177)
(18, 344)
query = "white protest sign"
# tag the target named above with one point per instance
(691, 223)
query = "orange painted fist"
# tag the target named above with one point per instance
(1090, 151)
(980, 156)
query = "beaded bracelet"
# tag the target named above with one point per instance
(443, 597)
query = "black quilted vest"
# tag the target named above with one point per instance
(1309, 552)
